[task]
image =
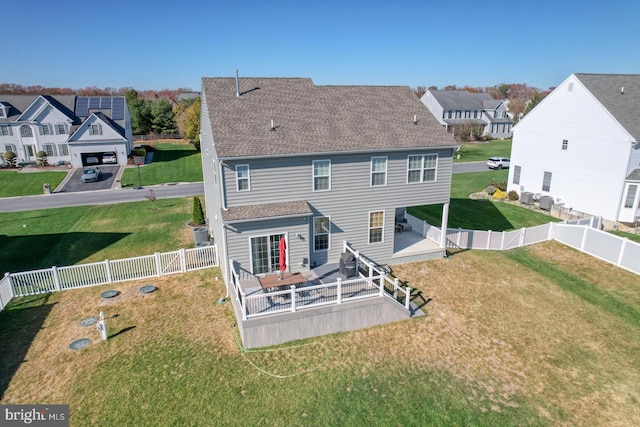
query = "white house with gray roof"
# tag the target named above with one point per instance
(315, 165)
(580, 147)
(457, 108)
(76, 130)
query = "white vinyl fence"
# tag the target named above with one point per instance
(108, 271)
(583, 234)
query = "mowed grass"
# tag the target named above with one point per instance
(14, 183)
(480, 214)
(66, 236)
(481, 151)
(173, 161)
(512, 338)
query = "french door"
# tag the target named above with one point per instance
(265, 253)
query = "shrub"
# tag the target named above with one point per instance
(198, 214)
(500, 195)
(490, 189)
(513, 195)
(11, 158)
(139, 151)
(42, 158)
(502, 185)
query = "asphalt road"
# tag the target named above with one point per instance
(104, 197)
(99, 197)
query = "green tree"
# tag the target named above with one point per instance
(192, 124)
(198, 213)
(535, 100)
(140, 113)
(162, 120)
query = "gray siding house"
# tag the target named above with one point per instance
(457, 108)
(315, 165)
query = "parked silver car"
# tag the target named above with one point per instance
(498, 162)
(91, 174)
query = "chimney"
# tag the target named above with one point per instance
(237, 85)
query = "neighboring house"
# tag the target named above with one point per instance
(317, 165)
(455, 109)
(70, 129)
(580, 146)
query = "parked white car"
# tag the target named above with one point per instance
(498, 162)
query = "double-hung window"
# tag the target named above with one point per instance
(95, 129)
(50, 149)
(63, 149)
(321, 233)
(631, 195)
(422, 168)
(516, 174)
(378, 171)
(376, 226)
(242, 177)
(565, 144)
(61, 129)
(546, 182)
(5, 130)
(321, 175)
(45, 129)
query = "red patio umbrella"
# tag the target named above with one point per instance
(283, 254)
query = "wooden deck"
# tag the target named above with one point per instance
(275, 323)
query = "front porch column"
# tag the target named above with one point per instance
(445, 222)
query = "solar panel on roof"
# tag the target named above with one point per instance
(105, 103)
(94, 103)
(117, 113)
(82, 107)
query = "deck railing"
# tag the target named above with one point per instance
(373, 283)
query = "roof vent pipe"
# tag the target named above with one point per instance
(415, 119)
(237, 85)
(622, 90)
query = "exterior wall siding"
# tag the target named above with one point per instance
(589, 175)
(350, 199)
(434, 107)
(238, 240)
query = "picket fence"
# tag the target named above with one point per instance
(108, 271)
(582, 234)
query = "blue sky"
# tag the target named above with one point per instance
(159, 44)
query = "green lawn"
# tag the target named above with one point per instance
(481, 151)
(480, 214)
(72, 235)
(172, 162)
(14, 183)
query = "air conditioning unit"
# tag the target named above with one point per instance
(546, 202)
(526, 198)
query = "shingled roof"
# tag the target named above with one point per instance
(464, 100)
(620, 95)
(315, 119)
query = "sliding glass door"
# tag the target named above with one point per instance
(265, 253)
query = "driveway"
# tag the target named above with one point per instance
(72, 183)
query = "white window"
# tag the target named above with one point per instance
(422, 168)
(376, 226)
(61, 129)
(321, 233)
(2, 114)
(546, 182)
(565, 144)
(9, 147)
(63, 149)
(25, 131)
(516, 174)
(378, 171)
(242, 177)
(95, 129)
(321, 175)
(45, 129)
(50, 149)
(5, 130)
(631, 195)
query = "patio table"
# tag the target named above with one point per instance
(281, 282)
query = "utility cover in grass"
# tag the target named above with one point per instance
(109, 294)
(80, 344)
(147, 289)
(88, 321)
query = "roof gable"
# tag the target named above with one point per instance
(107, 129)
(315, 119)
(620, 95)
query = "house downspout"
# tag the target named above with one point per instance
(223, 196)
